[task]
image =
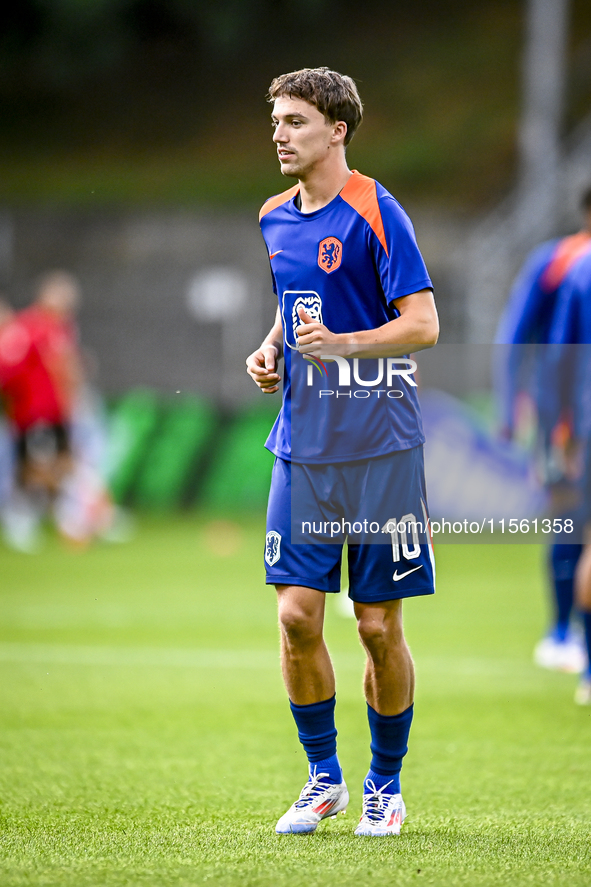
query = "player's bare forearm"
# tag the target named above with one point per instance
(262, 364)
(415, 329)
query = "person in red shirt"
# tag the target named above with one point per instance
(40, 373)
(40, 382)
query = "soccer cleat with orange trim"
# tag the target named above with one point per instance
(383, 813)
(318, 799)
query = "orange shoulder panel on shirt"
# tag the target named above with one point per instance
(568, 251)
(360, 193)
(273, 202)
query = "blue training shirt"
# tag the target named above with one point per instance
(528, 313)
(344, 264)
(572, 326)
(572, 317)
(528, 319)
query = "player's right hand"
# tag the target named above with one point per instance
(261, 366)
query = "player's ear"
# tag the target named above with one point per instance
(339, 131)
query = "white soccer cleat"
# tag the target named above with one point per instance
(383, 814)
(583, 691)
(568, 655)
(318, 799)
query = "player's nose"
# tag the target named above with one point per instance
(279, 135)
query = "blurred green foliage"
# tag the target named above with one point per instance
(155, 101)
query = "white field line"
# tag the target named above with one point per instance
(163, 657)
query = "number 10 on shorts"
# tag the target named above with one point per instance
(399, 535)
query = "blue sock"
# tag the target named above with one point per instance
(391, 782)
(586, 617)
(563, 598)
(564, 561)
(389, 744)
(328, 765)
(318, 735)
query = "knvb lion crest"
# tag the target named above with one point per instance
(272, 548)
(312, 305)
(330, 254)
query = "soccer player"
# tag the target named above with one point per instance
(6, 448)
(572, 327)
(527, 321)
(351, 283)
(40, 374)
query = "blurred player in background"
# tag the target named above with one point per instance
(6, 445)
(527, 321)
(571, 329)
(41, 383)
(39, 375)
(347, 272)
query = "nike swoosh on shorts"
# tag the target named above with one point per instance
(397, 578)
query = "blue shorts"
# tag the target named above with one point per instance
(377, 505)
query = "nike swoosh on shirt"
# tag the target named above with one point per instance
(272, 255)
(397, 578)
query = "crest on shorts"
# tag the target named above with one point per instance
(312, 305)
(330, 254)
(272, 548)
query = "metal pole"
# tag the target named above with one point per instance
(544, 70)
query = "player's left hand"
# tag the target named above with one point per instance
(314, 338)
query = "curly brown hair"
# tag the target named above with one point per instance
(335, 95)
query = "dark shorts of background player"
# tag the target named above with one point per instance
(571, 501)
(377, 491)
(42, 443)
(581, 514)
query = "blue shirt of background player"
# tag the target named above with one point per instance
(528, 314)
(572, 366)
(527, 321)
(350, 288)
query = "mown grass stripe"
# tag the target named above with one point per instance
(66, 654)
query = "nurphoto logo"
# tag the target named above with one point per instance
(388, 371)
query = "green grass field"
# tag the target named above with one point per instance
(146, 738)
